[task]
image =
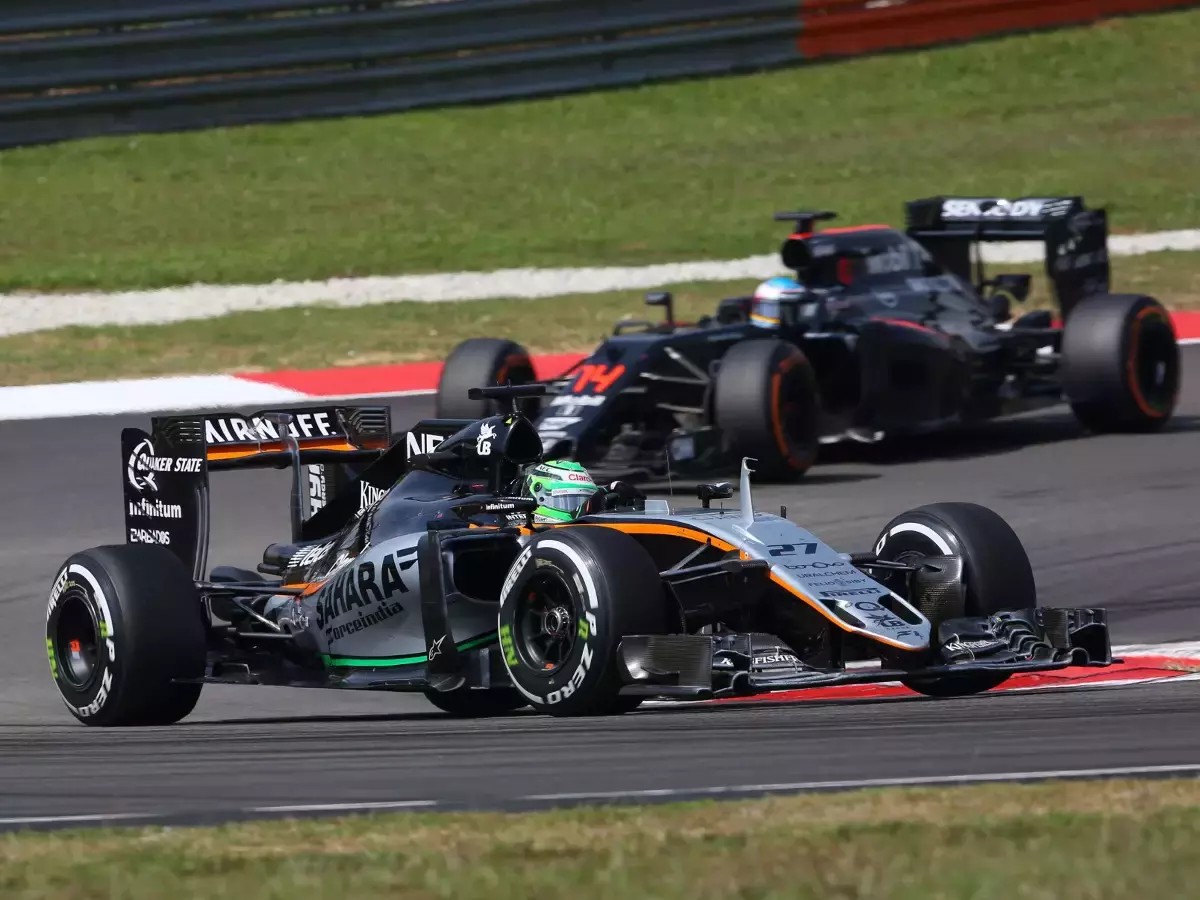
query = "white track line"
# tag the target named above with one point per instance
(345, 807)
(931, 780)
(24, 312)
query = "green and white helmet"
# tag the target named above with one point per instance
(560, 487)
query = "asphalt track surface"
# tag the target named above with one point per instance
(1108, 521)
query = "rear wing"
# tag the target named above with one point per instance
(1075, 237)
(343, 460)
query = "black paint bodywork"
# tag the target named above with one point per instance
(901, 329)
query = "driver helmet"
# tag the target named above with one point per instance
(561, 487)
(769, 297)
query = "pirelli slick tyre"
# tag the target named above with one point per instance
(1120, 363)
(476, 703)
(476, 363)
(996, 572)
(767, 407)
(122, 623)
(567, 601)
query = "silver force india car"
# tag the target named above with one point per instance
(420, 562)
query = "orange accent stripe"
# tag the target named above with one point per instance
(277, 446)
(852, 229)
(845, 229)
(904, 323)
(668, 530)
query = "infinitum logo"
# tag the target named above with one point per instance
(155, 509)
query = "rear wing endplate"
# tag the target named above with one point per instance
(343, 460)
(1075, 237)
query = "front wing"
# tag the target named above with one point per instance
(702, 667)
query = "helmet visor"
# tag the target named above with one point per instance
(567, 500)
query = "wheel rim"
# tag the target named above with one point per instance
(790, 402)
(1153, 366)
(546, 623)
(76, 640)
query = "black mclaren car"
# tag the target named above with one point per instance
(883, 332)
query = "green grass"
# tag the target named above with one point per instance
(682, 171)
(317, 337)
(1083, 841)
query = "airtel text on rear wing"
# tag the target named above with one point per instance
(1075, 237)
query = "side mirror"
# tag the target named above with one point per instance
(710, 492)
(999, 306)
(1016, 286)
(663, 298)
(734, 309)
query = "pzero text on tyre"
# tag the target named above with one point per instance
(123, 622)
(766, 405)
(996, 571)
(567, 601)
(1120, 363)
(477, 363)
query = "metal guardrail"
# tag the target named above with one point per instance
(79, 68)
(102, 67)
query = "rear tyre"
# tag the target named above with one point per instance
(767, 406)
(570, 597)
(476, 363)
(122, 623)
(1120, 363)
(996, 572)
(472, 703)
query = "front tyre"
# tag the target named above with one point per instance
(1120, 363)
(767, 407)
(996, 573)
(568, 600)
(123, 622)
(477, 363)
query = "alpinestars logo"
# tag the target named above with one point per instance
(143, 465)
(435, 649)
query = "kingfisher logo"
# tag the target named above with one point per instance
(368, 495)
